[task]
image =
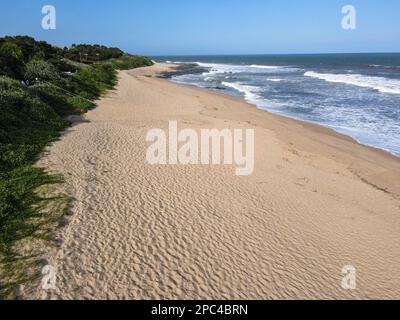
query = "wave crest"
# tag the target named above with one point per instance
(384, 85)
(250, 92)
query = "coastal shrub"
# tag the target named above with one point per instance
(17, 198)
(80, 104)
(26, 125)
(92, 53)
(7, 83)
(75, 64)
(127, 62)
(32, 49)
(19, 109)
(55, 96)
(40, 70)
(11, 60)
(90, 83)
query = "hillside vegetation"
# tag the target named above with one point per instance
(40, 86)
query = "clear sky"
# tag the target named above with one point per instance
(162, 27)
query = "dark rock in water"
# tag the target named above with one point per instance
(183, 68)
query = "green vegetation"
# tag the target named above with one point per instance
(90, 54)
(40, 85)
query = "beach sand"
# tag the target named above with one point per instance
(317, 201)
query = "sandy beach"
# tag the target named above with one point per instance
(316, 201)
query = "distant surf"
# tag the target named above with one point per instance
(383, 85)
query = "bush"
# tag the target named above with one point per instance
(130, 62)
(11, 60)
(80, 104)
(64, 65)
(7, 83)
(53, 95)
(40, 70)
(92, 53)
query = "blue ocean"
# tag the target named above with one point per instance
(355, 94)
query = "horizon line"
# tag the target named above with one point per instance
(267, 54)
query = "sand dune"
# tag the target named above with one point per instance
(316, 201)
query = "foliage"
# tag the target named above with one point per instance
(130, 62)
(11, 60)
(92, 53)
(32, 49)
(40, 70)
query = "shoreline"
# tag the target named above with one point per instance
(317, 201)
(313, 126)
(181, 69)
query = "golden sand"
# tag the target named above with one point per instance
(317, 201)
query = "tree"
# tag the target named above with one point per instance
(11, 60)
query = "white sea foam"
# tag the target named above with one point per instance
(219, 68)
(275, 80)
(263, 67)
(251, 93)
(175, 62)
(384, 85)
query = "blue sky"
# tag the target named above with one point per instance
(167, 27)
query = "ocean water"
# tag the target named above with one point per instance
(355, 94)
